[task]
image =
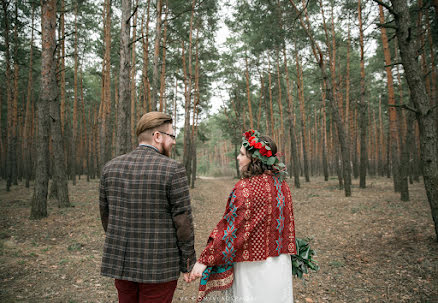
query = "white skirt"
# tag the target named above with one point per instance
(263, 281)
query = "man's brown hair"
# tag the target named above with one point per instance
(150, 122)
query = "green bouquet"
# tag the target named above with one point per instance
(303, 261)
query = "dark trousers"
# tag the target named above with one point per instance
(133, 292)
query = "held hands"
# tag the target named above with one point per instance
(197, 271)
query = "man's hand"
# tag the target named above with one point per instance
(187, 277)
(197, 271)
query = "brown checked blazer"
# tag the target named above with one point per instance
(145, 210)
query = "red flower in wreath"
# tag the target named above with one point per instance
(263, 151)
(252, 142)
(258, 145)
(268, 154)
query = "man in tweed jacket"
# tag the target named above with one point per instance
(146, 214)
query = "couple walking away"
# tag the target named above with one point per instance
(146, 214)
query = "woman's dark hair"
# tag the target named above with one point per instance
(257, 167)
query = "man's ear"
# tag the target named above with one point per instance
(156, 137)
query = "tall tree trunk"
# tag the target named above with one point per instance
(123, 138)
(49, 94)
(324, 137)
(74, 137)
(13, 146)
(421, 102)
(59, 176)
(5, 5)
(293, 143)
(188, 96)
(271, 110)
(392, 111)
(187, 105)
(248, 92)
(27, 143)
(147, 105)
(163, 101)
(363, 108)
(303, 118)
(105, 105)
(404, 151)
(133, 73)
(155, 75)
(280, 140)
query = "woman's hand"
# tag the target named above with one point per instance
(197, 271)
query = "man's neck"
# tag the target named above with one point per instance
(150, 145)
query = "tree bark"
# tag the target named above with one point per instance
(155, 75)
(147, 105)
(105, 105)
(248, 92)
(59, 175)
(392, 110)
(133, 74)
(74, 137)
(363, 109)
(303, 118)
(422, 104)
(5, 5)
(49, 93)
(123, 137)
(163, 101)
(293, 143)
(27, 142)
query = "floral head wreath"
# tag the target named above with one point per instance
(260, 150)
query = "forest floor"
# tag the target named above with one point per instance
(371, 247)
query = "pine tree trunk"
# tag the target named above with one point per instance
(59, 176)
(293, 143)
(392, 111)
(163, 101)
(48, 94)
(186, 154)
(363, 109)
(155, 75)
(13, 146)
(280, 140)
(133, 74)
(27, 143)
(8, 97)
(248, 92)
(271, 110)
(422, 105)
(74, 138)
(404, 151)
(147, 105)
(188, 97)
(86, 157)
(123, 137)
(303, 115)
(324, 137)
(105, 105)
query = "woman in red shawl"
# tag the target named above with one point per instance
(249, 249)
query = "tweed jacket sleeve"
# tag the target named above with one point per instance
(179, 200)
(103, 205)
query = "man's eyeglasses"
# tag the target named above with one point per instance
(170, 135)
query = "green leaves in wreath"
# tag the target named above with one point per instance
(271, 160)
(303, 261)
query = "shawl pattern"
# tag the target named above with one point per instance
(257, 223)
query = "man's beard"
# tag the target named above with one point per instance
(166, 150)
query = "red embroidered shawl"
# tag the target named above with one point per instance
(258, 223)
